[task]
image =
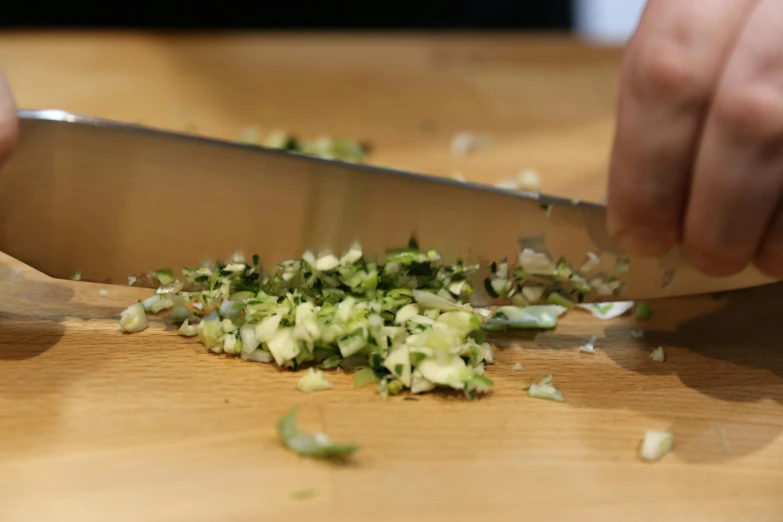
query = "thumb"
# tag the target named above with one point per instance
(9, 131)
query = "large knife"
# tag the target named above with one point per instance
(110, 200)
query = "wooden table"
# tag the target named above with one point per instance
(99, 426)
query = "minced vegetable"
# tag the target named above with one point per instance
(406, 320)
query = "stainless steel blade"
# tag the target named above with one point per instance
(110, 200)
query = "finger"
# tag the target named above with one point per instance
(769, 258)
(738, 174)
(8, 123)
(666, 83)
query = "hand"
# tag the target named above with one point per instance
(698, 155)
(8, 124)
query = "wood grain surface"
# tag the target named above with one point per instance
(96, 425)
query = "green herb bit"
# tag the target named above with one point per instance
(364, 377)
(318, 445)
(165, 276)
(304, 494)
(643, 311)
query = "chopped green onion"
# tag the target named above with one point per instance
(165, 276)
(658, 355)
(607, 310)
(331, 362)
(188, 330)
(545, 390)
(518, 367)
(304, 494)
(364, 377)
(250, 136)
(133, 319)
(591, 262)
(589, 346)
(655, 445)
(394, 387)
(529, 180)
(313, 380)
(724, 437)
(643, 311)
(318, 445)
(560, 300)
(542, 317)
(156, 303)
(537, 263)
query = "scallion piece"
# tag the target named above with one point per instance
(318, 445)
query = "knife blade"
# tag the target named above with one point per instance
(109, 200)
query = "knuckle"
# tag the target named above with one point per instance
(754, 112)
(665, 71)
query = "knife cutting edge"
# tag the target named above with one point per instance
(110, 200)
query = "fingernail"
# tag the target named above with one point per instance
(646, 241)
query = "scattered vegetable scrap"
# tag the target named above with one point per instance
(367, 376)
(643, 311)
(655, 445)
(589, 346)
(607, 310)
(251, 136)
(724, 437)
(313, 380)
(304, 494)
(324, 146)
(518, 367)
(319, 445)
(658, 355)
(465, 142)
(545, 390)
(133, 319)
(591, 262)
(528, 180)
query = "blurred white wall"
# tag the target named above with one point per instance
(608, 22)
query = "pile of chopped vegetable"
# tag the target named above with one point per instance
(404, 323)
(405, 319)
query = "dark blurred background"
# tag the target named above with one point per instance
(538, 15)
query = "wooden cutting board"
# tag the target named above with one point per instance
(96, 425)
